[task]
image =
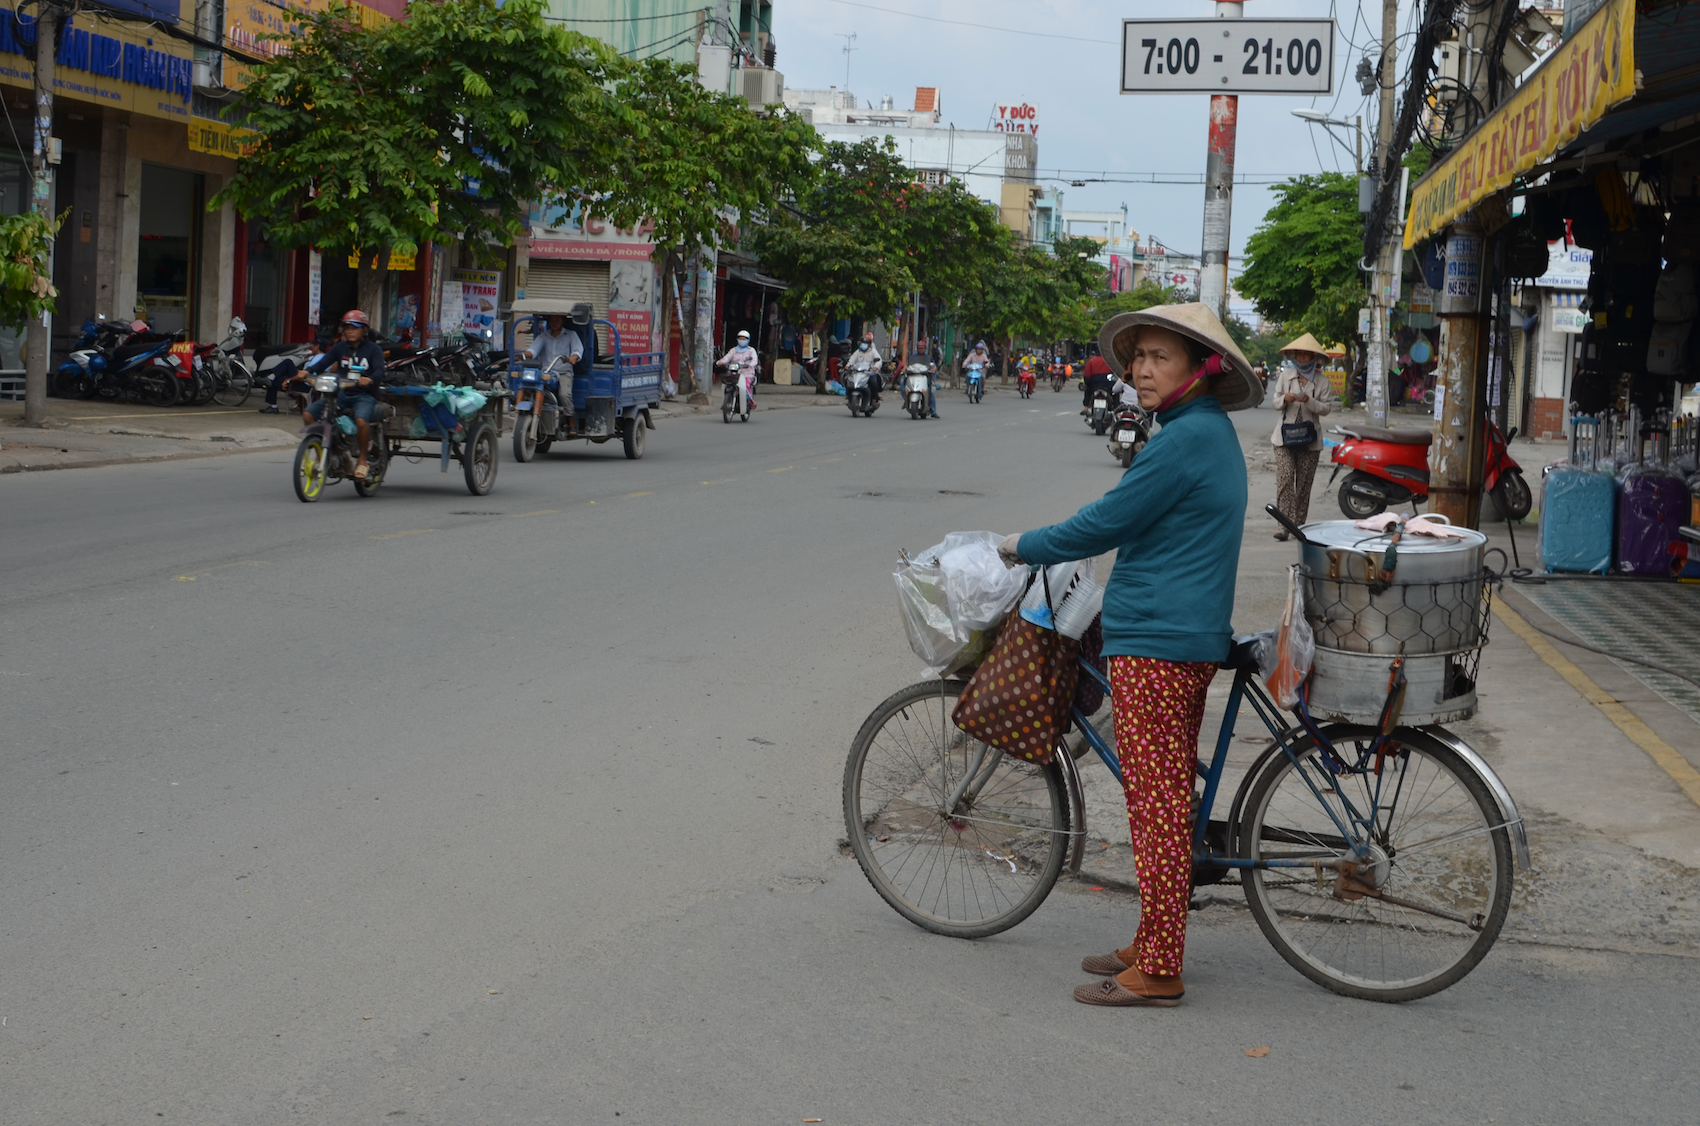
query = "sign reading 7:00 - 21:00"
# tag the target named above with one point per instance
(1218, 56)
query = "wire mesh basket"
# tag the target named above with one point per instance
(1436, 628)
(1413, 618)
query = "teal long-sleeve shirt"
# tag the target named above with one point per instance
(1175, 520)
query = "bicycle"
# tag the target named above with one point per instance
(1382, 872)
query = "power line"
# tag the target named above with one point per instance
(1024, 33)
(627, 19)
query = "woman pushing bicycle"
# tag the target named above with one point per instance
(1175, 520)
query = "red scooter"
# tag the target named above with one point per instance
(1024, 383)
(1391, 467)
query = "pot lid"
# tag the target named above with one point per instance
(1346, 534)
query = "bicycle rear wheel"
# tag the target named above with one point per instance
(1425, 906)
(968, 868)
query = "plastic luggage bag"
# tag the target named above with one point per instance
(1284, 654)
(953, 596)
(1652, 507)
(1578, 521)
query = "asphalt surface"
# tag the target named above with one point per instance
(444, 809)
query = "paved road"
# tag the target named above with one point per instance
(450, 810)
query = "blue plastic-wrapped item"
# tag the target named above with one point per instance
(1579, 508)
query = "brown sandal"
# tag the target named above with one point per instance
(1104, 965)
(1111, 992)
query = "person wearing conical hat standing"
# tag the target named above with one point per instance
(1303, 395)
(1175, 519)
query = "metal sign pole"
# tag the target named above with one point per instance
(1219, 189)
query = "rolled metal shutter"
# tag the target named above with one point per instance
(568, 281)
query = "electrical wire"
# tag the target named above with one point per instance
(626, 19)
(1023, 32)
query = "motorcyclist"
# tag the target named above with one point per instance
(1097, 377)
(555, 342)
(920, 360)
(978, 356)
(362, 401)
(745, 357)
(866, 356)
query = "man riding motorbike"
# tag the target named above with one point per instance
(555, 341)
(1098, 378)
(746, 359)
(360, 402)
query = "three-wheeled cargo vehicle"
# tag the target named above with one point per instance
(608, 394)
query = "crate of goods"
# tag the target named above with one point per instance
(12, 386)
(1431, 610)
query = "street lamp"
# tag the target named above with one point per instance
(1316, 117)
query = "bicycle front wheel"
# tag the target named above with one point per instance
(957, 836)
(1423, 903)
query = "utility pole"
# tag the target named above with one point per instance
(1219, 189)
(40, 332)
(1382, 281)
(1455, 455)
(714, 72)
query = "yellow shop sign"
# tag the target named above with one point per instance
(1589, 73)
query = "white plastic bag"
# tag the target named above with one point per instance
(953, 596)
(1284, 655)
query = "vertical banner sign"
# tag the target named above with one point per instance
(480, 292)
(315, 284)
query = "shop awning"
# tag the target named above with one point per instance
(1573, 88)
(756, 277)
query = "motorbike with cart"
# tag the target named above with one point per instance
(465, 422)
(607, 395)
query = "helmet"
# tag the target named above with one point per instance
(867, 336)
(356, 317)
(743, 334)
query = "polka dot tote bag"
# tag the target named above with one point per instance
(1018, 699)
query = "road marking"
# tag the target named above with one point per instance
(399, 535)
(788, 467)
(156, 414)
(539, 512)
(1059, 414)
(222, 567)
(834, 459)
(1668, 758)
(640, 494)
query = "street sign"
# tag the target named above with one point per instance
(1213, 56)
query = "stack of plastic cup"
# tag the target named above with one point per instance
(1074, 616)
(1035, 608)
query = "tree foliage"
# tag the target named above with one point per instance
(1040, 294)
(26, 278)
(449, 124)
(1302, 261)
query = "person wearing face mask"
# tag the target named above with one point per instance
(980, 356)
(867, 358)
(1304, 396)
(1175, 520)
(744, 356)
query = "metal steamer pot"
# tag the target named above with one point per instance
(1431, 603)
(1429, 609)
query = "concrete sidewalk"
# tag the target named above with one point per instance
(81, 434)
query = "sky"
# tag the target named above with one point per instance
(997, 51)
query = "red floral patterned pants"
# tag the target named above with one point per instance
(1159, 707)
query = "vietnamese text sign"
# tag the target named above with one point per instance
(1211, 56)
(1571, 89)
(1016, 117)
(1568, 266)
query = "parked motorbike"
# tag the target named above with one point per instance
(915, 391)
(736, 400)
(79, 375)
(141, 368)
(1098, 416)
(1024, 382)
(859, 392)
(976, 382)
(330, 451)
(1391, 467)
(220, 369)
(1132, 431)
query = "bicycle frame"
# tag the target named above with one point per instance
(1355, 826)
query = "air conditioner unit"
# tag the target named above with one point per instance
(1449, 70)
(763, 86)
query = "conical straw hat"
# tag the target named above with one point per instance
(1236, 388)
(1305, 343)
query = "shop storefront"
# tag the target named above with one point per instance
(572, 259)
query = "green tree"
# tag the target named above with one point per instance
(1302, 261)
(449, 125)
(1145, 293)
(26, 280)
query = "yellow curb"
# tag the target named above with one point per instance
(1667, 757)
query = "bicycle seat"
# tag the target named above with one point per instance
(1242, 654)
(1394, 437)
